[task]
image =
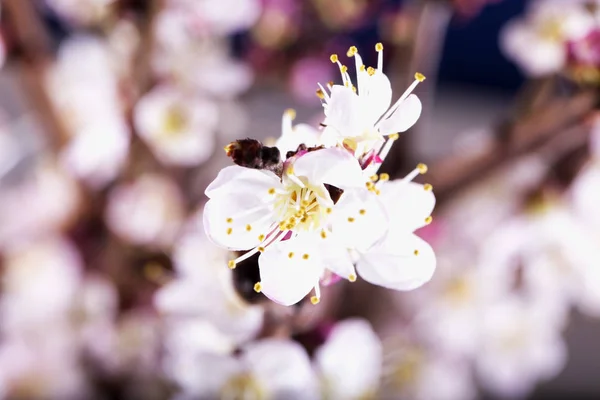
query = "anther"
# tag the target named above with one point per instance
(323, 234)
(344, 69)
(231, 264)
(362, 68)
(394, 136)
(428, 219)
(378, 47)
(248, 227)
(320, 94)
(352, 278)
(420, 77)
(229, 149)
(305, 256)
(229, 230)
(384, 177)
(422, 168)
(416, 252)
(328, 210)
(350, 219)
(314, 300)
(333, 58)
(427, 187)
(362, 211)
(261, 249)
(272, 191)
(257, 287)
(229, 220)
(290, 112)
(291, 254)
(351, 51)
(374, 178)
(371, 71)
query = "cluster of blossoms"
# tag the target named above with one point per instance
(556, 37)
(322, 209)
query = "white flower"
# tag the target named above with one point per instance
(360, 116)
(84, 89)
(39, 284)
(350, 361)
(179, 129)
(402, 260)
(204, 289)
(293, 136)
(255, 209)
(521, 345)
(538, 43)
(148, 211)
(270, 368)
(412, 371)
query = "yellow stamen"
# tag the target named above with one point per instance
(416, 252)
(394, 136)
(328, 210)
(231, 264)
(261, 237)
(352, 278)
(362, 68)
(229, 220)
(422, 168)
(314, 300)
(374, 178)
(378, 47)
(427, 187)
(362, 211)
(351, 51)
(229, 230)
(323, 234)
(344, 69)
(261, 249)
(291, 254)
(305, 256)
(428, 219)
(248, 227)
(384, 177)
(290, 112)
(272, 191)
(320, 94)
(350, 219)
(257, 287)
(371, 71)
(333, 58)
(420, 77)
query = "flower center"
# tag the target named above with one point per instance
(551, 30)
(301, 208)
(175, 121)
(242, 387)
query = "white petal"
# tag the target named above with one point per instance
(282, 368)
(243, 232)
(336, 257)
(359, 219)
(284, 279)
(350, 361)
(376, 97)
(343, 112)
(333, 166)
(242, 181)
(405, 116)
(300, 134)
(393, 264)
(407, 204)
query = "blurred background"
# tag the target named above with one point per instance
(113, 117)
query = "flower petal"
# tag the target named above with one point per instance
(407, 204)
(343, 112)
(350, 361)
(336, 257)
(400, 262)
(242, 181)
(375, 97)
(300, 134)
(282, 368)
(290, 269)
(333, 166)
(236, 222)
(405, 116)
(359, 219)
